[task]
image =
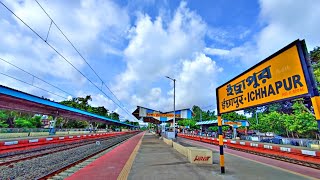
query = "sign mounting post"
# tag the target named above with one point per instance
(285, 75)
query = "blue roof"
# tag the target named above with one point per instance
(21, 95)
(243, 122)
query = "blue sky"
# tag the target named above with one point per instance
(134, 44)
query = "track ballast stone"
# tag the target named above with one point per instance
(40, 166)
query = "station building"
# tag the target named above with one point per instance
(159, 117)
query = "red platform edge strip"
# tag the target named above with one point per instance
(312, 156)
(110, 165)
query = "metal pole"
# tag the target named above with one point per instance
(201, 121)
(257, 122)
(174, 104)
(174, 107)
(257, 117)
(222, 169)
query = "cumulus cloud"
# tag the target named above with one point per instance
(287, 21)
(100, 100)
(196, 83)
(282, 22)
(92, 25)
(158, 48)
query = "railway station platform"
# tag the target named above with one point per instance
(147, 157)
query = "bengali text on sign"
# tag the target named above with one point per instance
(278, 78)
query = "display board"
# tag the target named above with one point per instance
(283, 75)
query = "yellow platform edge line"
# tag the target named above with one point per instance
(127, 167)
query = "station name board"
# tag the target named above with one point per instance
(279, 77)
(162, 115)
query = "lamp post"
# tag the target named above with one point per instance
(174, 104)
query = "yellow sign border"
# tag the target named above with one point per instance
(307, 75)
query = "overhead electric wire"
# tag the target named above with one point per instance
(32, 85)
(52, 21)
(61, 55)
(36, 77)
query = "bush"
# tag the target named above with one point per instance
(23, 123)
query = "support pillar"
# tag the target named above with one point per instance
(234, 132)
(222, 169)
(90, 127)
(52, 125)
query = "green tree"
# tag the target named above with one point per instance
(304, 122)
(215, 128)
(315, 61)
(233, 116)
(199, 114)
(23, 123)
(271, 122)
(84, 102)
(208, 115)
(196, 111)
(315, 55)
(114, 116)
(36, 121)
(11, 116)
(71, 103)
(3, 119)
(102, 111)
(76, 124)
(188, 122)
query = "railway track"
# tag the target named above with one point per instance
(113, 143)
(281, 158)
(14, 157)
(272, 156)
(46, 165)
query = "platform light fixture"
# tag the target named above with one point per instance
(174, 104)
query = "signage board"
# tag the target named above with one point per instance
(230, 123)
(283, 75)
(162, 115)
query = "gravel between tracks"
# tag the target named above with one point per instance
(45, 149)
(37, 167)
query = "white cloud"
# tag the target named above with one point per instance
(196, 82)
(153, 99)
(195, 85)
(287, 21)
(94, 26)
(156, 49)
(282, 22)
(101, 100)
(84, 22)
(244, 34)
(215, 51)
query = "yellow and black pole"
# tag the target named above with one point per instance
(221, 144)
